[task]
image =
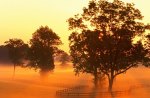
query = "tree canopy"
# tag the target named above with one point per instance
(63, 57)
(102, 38)
(17, 51)
(43, 46)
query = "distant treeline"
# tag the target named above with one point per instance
(5, 59)
(4, 55)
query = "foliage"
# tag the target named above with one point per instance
(64, 57)
(17, 50)
(43, 46)
(102, 38)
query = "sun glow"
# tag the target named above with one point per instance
(20, 18)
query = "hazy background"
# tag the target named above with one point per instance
(20, 18)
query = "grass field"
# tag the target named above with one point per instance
(28, 83)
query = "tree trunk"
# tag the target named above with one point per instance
(111, 79)
(110, 83)
(52, 63)
(14, 70)
(96, 78)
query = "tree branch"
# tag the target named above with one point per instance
(124, 70)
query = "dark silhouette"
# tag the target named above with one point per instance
(17, 50)
(85, 52)
(148, 48)
(101, 42)
(63, 57)
(148, 36)
(148, 42)
(43, 46)
(4, 55)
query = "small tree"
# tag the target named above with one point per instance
(17, 51)
(64, 57)
(43, 46)
(102, 38)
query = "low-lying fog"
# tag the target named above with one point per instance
(29, 83)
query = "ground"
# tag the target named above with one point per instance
(28, 83)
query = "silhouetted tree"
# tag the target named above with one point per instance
(64, 57)
(85, 52)
(102, 39)
(148, 41)
(43, 46)
(148, 47)
(4, 56)
(17, 51)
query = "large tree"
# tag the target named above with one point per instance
(17, 51)
(43, 46)
(84, 48)
(102, 38)
(147, 45)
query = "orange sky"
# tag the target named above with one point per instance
(20, 18)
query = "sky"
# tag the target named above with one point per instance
(21, 18)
